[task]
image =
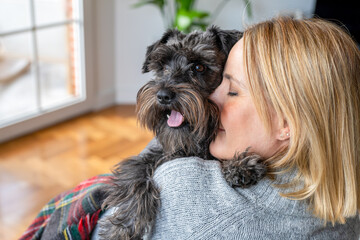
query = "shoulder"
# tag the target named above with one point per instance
(187, 165)
(196, 198)
(192, 174)
(187, 176)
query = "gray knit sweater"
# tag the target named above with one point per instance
(197, 203)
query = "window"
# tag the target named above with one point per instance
(42, 64)
(40, 57)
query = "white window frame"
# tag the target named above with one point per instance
(47, 117)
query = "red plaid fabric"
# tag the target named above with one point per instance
(72, 214)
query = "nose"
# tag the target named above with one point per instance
(165, 96)
(218, 95)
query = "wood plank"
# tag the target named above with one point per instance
(36, 167)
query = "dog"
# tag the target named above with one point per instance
(175, 105)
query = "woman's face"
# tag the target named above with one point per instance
(240, 124)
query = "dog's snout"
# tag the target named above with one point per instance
(165, 96)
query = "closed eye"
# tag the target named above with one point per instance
(231, 94)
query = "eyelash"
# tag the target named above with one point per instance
(232, 94)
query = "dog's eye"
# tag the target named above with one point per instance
(199, 68)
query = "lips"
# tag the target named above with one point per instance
(221, 129)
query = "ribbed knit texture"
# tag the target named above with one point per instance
(197, 203)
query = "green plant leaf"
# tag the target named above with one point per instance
(184, 19)
(248, 8)
(185, 4)
(158, 3)
(182, 22)
(198, 14)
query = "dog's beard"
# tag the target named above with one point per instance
(200, 118)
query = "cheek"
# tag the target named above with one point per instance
(238, 118)
(239, 122)
(243, 129)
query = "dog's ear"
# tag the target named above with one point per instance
(170, 33)
(225, 39)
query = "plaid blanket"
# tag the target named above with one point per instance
(72, 214)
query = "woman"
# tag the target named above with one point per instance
(290, 92)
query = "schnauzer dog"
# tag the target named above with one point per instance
(175, 106)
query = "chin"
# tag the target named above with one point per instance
(214, 151)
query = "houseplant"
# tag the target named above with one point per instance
(183, 15)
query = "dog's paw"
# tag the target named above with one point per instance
(244, 170)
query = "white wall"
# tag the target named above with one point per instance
(135, 29)
(105, 53)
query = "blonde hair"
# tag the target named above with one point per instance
(308, 71)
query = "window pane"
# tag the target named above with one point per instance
(58, 65)
(14, 15)
(17, 77)
(40, 68)
(50, 11)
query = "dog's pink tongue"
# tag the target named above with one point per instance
(175, 119)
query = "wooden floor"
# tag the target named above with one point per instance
(35, 168)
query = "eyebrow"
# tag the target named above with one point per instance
(234, 80)
(229, 77)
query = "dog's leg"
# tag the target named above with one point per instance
(244, 170)
(134, 196)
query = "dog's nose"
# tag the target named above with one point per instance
(165, 96)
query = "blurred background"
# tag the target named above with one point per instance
(75, 65)
(61, 58)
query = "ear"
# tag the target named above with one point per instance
(225, 39)
(170, 33)
(283, 132)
